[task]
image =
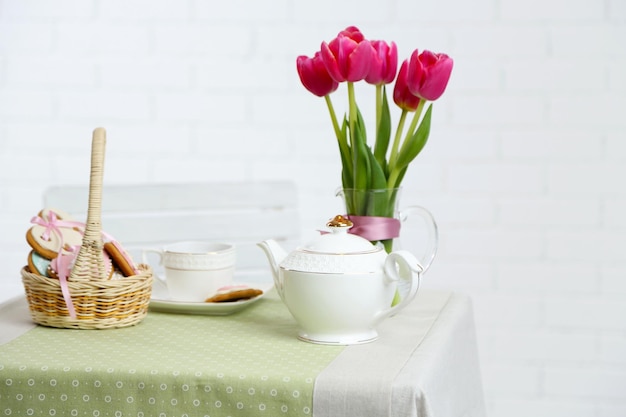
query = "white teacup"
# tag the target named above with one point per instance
(195, 270)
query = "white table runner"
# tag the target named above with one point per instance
(425, 364)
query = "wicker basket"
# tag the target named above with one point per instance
(99, 303)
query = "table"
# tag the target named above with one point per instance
(250, 363)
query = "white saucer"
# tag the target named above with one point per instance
(161, 301)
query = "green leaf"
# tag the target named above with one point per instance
(359, 180)
(346, 173)
(346, 160)
(378, 205)
(360, 126)
(377, 175)
(362, 172)
(400, 176)
(383, 134)
(414, 145)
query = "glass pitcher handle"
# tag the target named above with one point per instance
(428, 254)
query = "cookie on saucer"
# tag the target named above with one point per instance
(231, 294)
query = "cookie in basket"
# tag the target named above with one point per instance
(56, 238)
(121, 259)
(51, 235)
(37, 264)
(48, 212)
(234, 293)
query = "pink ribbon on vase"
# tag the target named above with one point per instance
(375, 228)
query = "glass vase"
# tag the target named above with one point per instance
(377, 216)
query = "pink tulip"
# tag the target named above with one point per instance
(384, 63)
(346, 59)
(314, 76)
(402, 96)
(353, 33)
(428, 74)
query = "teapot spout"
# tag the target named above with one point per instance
(275, 254)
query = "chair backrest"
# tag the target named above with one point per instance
(152, 215)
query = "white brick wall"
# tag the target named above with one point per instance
(524, 170)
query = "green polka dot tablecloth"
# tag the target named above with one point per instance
(246, 364)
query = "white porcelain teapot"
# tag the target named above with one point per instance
(339, 286)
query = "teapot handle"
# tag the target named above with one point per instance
(404, 268)
(428, 254)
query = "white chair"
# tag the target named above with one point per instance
(152, 215)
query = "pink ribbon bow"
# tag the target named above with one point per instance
(54, 224)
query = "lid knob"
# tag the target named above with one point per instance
(339, 221)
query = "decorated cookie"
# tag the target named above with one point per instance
(47, 213)
(37, 264)
(56, 237)
(120, 258)
(51, 234)
(236, 293)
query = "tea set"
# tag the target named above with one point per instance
(338, 287)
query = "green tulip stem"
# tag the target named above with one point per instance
(379, 105)
(418, 113)
(343, 145)
(352, 122)
(394, 172)
(393, 177)
(352, 107)
(396, 140)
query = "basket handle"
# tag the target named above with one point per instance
(93, 228)
(89, 264)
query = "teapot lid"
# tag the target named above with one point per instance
(339, 241)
